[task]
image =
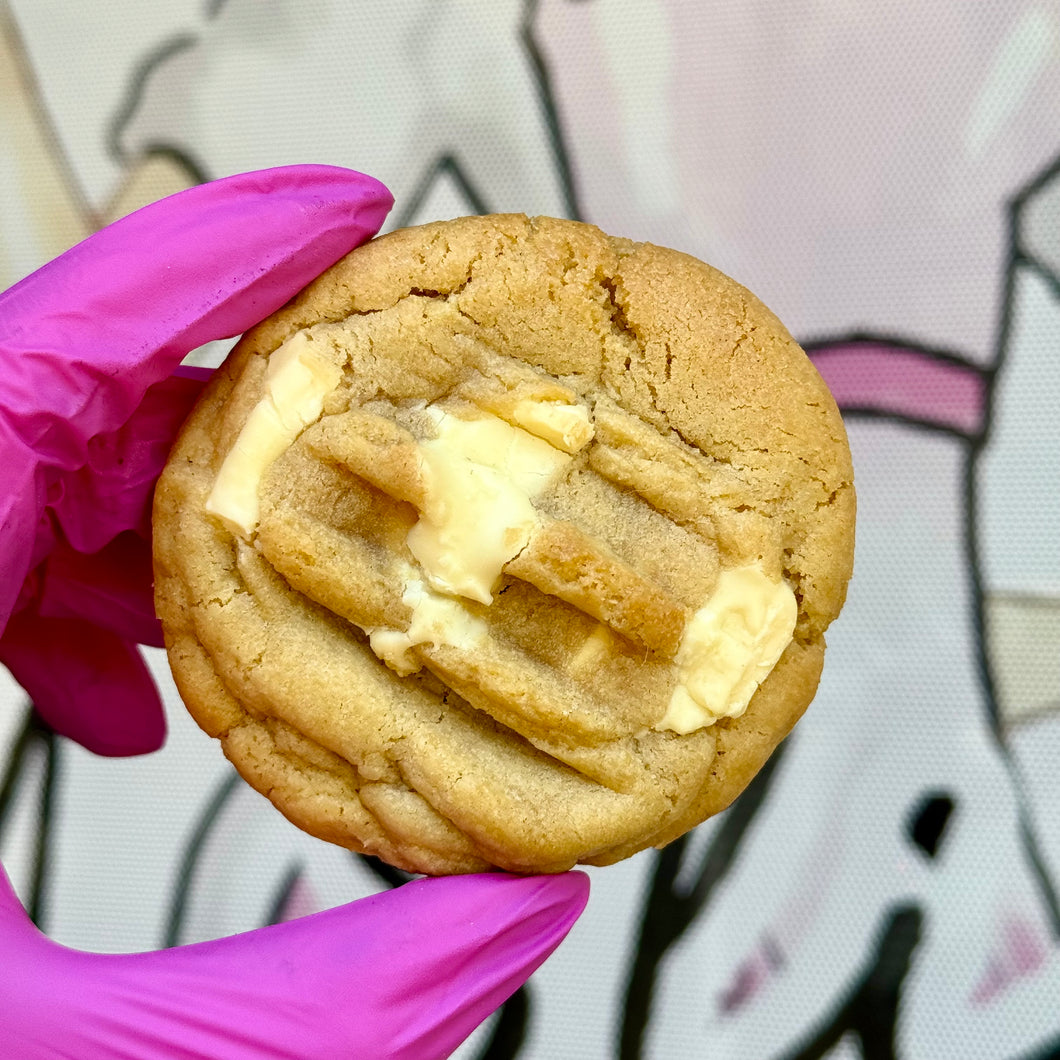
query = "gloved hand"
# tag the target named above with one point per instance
(89, 406)
(405, 974)
(90, 399)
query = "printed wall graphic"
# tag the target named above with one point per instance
(889, 182)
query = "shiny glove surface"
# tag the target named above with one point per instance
(404, 974)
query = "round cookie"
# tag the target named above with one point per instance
(505, 544)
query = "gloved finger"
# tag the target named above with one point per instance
(407, 974)
(83, 338)
(88, 683)
(112, 585)
(111, 492)
(111, 588)
(22, 499)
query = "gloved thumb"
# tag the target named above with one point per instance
(408, 973)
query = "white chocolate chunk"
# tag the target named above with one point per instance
(297, 381)
(481, 476)
(567, 427)
(435, 619)
(729, 647)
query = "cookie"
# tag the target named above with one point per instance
(506, 544)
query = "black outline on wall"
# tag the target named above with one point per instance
(35, 740)
(446, 164)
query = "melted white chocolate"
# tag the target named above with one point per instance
(481, 477)
(729, 647)
(297, 381)
(436, 619)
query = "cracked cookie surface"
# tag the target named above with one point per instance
(506, 544)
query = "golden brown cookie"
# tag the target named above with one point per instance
(506, 543)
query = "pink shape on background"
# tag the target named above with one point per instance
(1019, 953)
(904, 382)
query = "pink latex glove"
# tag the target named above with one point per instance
(89, 404)
(404, 974)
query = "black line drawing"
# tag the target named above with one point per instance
(450, 163)
(819, 349)
(281, 900)
(928, 821)
(871, 1005)
(446, 165)
(1017, 257)
(669, 910)
(138, 81)
(188, 864)
(35, 740)
(550, 108)
(1049, 1051)
(510, 1028)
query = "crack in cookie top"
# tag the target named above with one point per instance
(507, 543)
